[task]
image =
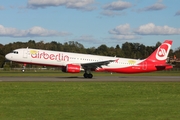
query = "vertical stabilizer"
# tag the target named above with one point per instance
(161, 53)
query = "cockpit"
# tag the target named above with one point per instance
(11, 55)
(15, 52)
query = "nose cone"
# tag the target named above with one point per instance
(8, 56)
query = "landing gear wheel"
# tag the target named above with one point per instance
(86, 75)
(90, 75)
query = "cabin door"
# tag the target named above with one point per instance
(144, 67)
(25, 53)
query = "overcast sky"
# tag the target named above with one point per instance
(90, 22)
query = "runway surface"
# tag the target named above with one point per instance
(100, 79)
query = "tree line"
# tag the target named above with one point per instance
(127, 50)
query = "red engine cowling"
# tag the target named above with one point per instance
(71, 68)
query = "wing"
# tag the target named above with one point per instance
(94, 65)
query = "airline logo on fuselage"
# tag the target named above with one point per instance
(162, 51)
(131, 61)
(49, 56)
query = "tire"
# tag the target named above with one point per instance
(85, 75)
(90, 75)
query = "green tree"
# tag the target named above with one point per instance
(157, 45)
(90, 50)
(40, 45)
(102, 50)
(2, 60)
(127, 49)
(31, 44)
(177, 53)
(149, 51)
(118, 51)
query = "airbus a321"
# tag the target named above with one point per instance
(75, 62)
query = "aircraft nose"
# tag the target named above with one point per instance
(8, 56)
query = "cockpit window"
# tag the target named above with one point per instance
(15, 52)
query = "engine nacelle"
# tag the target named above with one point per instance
(71, 68)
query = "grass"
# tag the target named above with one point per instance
(90, 100)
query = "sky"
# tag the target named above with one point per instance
(90, 22)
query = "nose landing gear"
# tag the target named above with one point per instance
(24, 67)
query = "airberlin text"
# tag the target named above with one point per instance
(50, 56)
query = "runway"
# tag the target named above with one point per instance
(95, 79)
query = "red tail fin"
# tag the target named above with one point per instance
(161, 53)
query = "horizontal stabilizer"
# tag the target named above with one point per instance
(164, 67)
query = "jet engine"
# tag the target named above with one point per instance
(71, 68)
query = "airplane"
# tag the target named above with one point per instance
(76, 62)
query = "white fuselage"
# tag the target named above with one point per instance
(58, 58)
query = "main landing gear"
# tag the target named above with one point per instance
(88, 74)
